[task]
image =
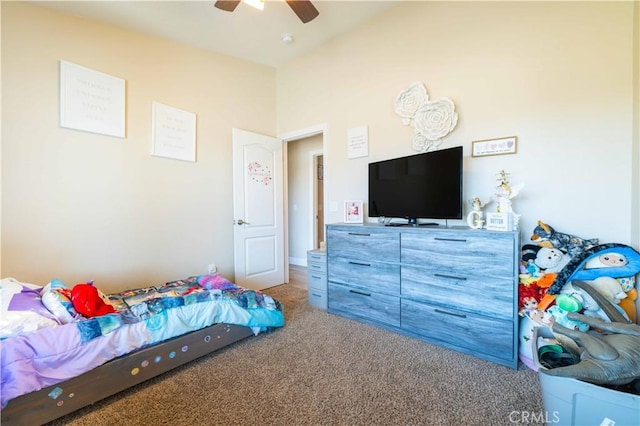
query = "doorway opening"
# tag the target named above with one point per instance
(299, 255)
(317, 208)
(305, 162)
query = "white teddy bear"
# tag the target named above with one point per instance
(552, 260)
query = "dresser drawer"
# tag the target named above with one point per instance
(317, 267)
(471, 292)
(317, 281)
(368, 275)
(317, 258)
(475, 333)
(357, 303)
(364, 244)
(483, 254)
(317, 298)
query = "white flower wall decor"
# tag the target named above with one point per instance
(431, 120)
(409, 100)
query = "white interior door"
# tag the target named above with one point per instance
(258, 209)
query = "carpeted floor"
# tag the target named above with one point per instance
(321, 369)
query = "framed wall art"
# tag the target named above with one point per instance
(91, 101)
(353, 211)
(499, 146)
(173, 133)
(358, 142)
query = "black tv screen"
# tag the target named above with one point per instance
(421, 186)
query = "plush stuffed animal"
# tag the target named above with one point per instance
(610, 288)
(538, 260)
(551, 259)
(590, 307)
(87, 301)
(575, 270)
(529, 293)
(570, 244)
(532, 269)
(607, 260)
(560, 317)
(628, 304)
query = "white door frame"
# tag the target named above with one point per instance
(290, 137)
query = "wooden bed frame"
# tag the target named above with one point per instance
(119, 374)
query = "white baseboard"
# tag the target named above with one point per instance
(298, 261)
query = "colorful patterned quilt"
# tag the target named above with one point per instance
(150, 305)
(34, 359)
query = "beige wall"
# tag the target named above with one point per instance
(558, 75)
(81, 206)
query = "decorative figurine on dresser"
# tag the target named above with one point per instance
(454, 287)
(475, 218)
(504, 219)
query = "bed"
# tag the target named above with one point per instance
(56, 361)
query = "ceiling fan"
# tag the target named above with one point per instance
(303, 8)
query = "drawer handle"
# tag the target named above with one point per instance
(458, 240)
(359, 263)
(360, 234)
(315, 266)
(450, 313)
(360, 292)
(316, 277)
(453, 277)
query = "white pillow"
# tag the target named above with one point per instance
(21, 309)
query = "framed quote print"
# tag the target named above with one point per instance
(91, 101)
(173, 133)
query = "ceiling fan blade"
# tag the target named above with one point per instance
(227, 5)
(304, 9)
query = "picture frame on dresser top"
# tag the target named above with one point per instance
(353, 211)
(499, 221)
(453, 287)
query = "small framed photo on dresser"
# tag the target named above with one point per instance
(353, 211)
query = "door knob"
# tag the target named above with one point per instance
(242, 222)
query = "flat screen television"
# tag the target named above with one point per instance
(420, 186)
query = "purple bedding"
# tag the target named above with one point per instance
(33, 360)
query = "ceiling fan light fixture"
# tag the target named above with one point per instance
(258, 4)
(303, 9)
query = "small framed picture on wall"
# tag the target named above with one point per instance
(353, 211)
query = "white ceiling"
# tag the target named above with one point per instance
(245, 33)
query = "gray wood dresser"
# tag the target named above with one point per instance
(454, 287)
(317, 278)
